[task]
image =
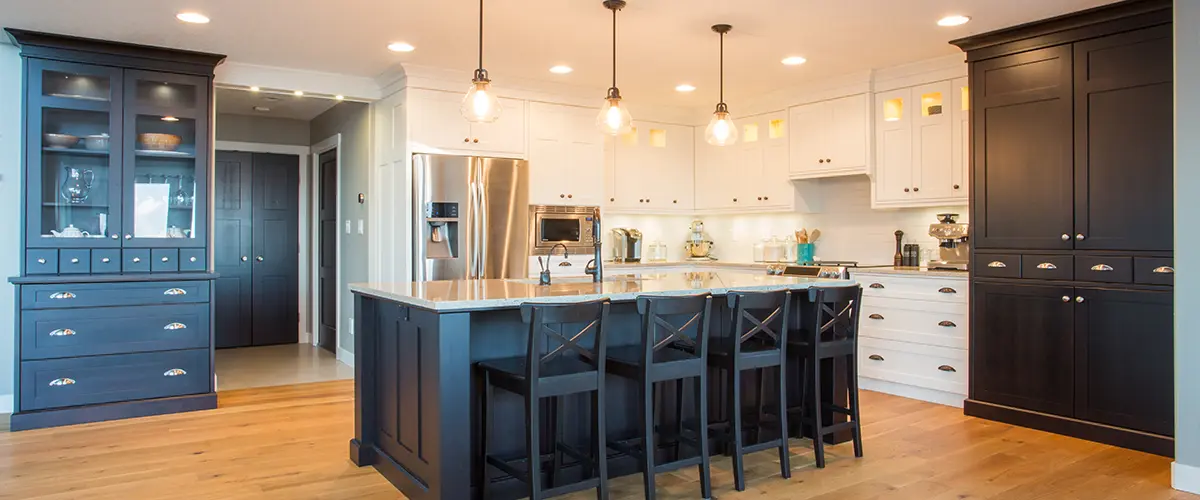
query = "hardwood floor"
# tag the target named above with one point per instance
(291, 443)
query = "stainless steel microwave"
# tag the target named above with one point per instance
(552, 225)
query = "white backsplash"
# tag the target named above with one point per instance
(850, 228)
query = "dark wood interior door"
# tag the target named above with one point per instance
(276, 219)
(231, 249)
(1023, 149)
(327, 241)
(1124, 359)
(1124, 164)
(1022, 346)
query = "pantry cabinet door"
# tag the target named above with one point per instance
(846, 146)
(566, 162)
(932, 145)
(436, 122)
(893, 147)
(505, 136)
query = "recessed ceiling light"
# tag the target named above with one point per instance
(955, 20)
(794, 60)
(262, 109)
(192, 17)
(561, 69)
(298, 93)
(340, 97)
(254, 89)
(400, 47)
(685, 88)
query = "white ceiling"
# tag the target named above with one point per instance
(243, 102)
(662, 42)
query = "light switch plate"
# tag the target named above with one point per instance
(361, 230)
(347, 226)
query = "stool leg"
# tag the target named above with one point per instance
(804, 405)
(785, 454)
(556, 430)
(739, 470)
(599, 440)
(648, 436)
(852, 378)
(678, 415)
(818, 428)
(702, 435)
(762, 398)
(533, 445)
(486, 481)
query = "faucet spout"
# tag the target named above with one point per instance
(595, 268)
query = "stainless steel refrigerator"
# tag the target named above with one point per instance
(471, 218)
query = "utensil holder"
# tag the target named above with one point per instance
(804, 253)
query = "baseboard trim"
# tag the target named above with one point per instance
(912, 392)
(1185, 477)
(1082, 429)
(345, 356)
(111, 411)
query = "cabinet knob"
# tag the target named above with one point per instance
(137, 259)
(820, 161)
(1079, 299)
(569, 196)
(41, 261)
(947, 368)
(1066, 237)
(62, 296)
(476, 140)
(766, 198)
(105, 260)
(191, 259)
(827, 160)
(674, 201)
(916, 189)
(129, 236)
(1080, 236)
(612, 199)
(165, 259)
(466, 139)
(956, 186)
(1066, 298)
(74, 261)
(760, 198)
(647, 200)
(875, 357)
(735, 200)
(116, 236)
(245, 258)
(259, 258)
(906, 190)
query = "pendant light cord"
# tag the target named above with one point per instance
(722, 77)
(614, 51)
(480, 34)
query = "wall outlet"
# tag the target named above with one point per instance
(351, 329)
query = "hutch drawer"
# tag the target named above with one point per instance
(106, 261)
(76, 295)
(135, 260)
(58, 383)
(41, 261)
(60, 333)
(164, 260)
(192, 259)
(75, 261)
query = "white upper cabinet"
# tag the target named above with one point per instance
(652, 170)
(919, 158)
(752, 175)
(566, 156)
(829, 138)
(437, 126)
(961, 136)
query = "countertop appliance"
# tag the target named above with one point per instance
(569, 226)
(698, 245)
(627, 245)
(470, 220)
(954, 249)
(817, 271)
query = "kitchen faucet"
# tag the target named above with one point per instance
(595, 267)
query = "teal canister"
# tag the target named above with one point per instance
(804, 253)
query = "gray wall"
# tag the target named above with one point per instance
(262, 129)
(353, 121)
(10, 208)
(1187, 243)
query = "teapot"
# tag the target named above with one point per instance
(174, 232)
(69, 232)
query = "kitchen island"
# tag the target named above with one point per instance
(416, 405)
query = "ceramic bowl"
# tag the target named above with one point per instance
(159, 142)
(61, 141)
(98, 142)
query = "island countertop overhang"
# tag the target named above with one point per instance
(478, 295)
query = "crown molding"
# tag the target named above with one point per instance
(244, 75)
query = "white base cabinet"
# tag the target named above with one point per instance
(566, 156)
(913, 336)
(830, 138)
(436, 126)
(920, 146)
(651, 170)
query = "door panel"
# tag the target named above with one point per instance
(932, 145)
(894, 156)
(327, 240)
(231, 243)
(1124, 163)
(275, 217)
(1023, 151)
(1022, 347)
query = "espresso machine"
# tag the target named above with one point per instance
(954, 249)
(627, 245)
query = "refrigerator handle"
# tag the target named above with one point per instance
(476, 264)
(483, 225)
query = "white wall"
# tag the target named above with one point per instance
(850, 229)
(261, 129)
(1186, 470)
(10, 210)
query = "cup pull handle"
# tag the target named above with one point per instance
(947, 368)
(175, 291)
(1164, 270)
(59, 382)
(875, 316)
(62, 295)
(62, 332)
(875, 357)
(997, 264)
(175, 326)
(1102, 267)
(947, 289)
(1047, 266)
(876, 286)
(174, 372)
(947, 324)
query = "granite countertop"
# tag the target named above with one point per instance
(469, 295)
(688, 263)
(907, 270)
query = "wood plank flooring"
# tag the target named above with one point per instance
(291, 443)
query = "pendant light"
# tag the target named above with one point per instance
(721, 130)
(614, 118)
(480, 105)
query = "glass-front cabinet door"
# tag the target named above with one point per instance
(166, 143)
(73, 155)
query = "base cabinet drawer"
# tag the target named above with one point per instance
(1104, 269)
(113, 294)
(931, 367)
(59, 383)
(997, 265)
(61, 333)
(1153, 271)
(921, 322)
(900, 286)
(1047, 267)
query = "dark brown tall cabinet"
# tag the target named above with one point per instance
(1071, 304)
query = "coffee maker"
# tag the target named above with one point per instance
(954, 248)
(627, 245)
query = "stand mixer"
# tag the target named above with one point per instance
(698, 245)
(953, 247)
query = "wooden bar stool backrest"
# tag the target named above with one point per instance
(760, 317)
(835, 312)
(659, 332)
(550, 322)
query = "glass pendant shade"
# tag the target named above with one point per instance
(614, 118)
(721, 130)
(480, 104)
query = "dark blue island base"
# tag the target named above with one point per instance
(417, 396)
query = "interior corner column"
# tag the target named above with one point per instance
(1186, 469)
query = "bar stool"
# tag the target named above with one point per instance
(830, 332)
(758, 339)
(556, 364)
(668, 354)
